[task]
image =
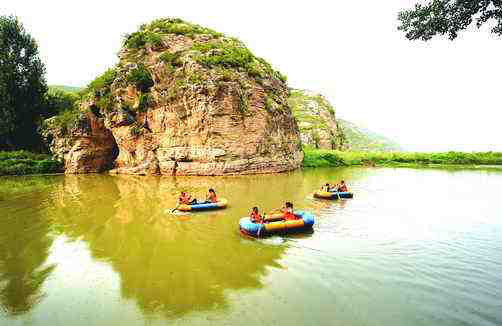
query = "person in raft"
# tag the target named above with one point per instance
(326, 187)
(342, 187)
(186, 199)
(255, 216)
(288, 212)
(211, 197)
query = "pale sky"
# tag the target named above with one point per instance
(440, 95)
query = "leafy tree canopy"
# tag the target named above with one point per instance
(22, 85)
(448, 17)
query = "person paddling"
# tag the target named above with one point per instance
(186, 199)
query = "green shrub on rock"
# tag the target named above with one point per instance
(141, 78)
(102, 81)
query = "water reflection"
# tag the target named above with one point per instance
(166, 264)
(25, 242)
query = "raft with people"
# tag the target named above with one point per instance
(285, 221)
(333, 195)
(336, 192)
(187, 203)
(221, 203)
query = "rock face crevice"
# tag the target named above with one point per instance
(195, 103)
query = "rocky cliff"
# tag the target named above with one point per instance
(316, 119)
(183, 100)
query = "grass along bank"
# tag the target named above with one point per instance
(24, 162)
(333, 158)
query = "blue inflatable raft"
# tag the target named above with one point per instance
(333, 195)
(305, 221)
(222, 203)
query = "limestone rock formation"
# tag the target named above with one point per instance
(316, 118)
(183, 100)
(87, 147)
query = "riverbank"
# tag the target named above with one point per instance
(331, 158)
(24, 162)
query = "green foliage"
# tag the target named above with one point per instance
(196, 78)
(136, 130)
(66, 119)
(316, 138)
(22, 86)
(243, 101)
(104, 81)
(333, 158)
(179, 27)
(105, 102)
(66, 88)
(145, 100)
(152, 33)
(225, 54)
(141, 78)
(269, 104)
(447, 17)
(171, 59)
(58, 101)
(24, 162)
(231, 53)
(154, 39)
(135, 40)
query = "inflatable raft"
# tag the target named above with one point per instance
(333, 195)
(274, 224)
(222, 203)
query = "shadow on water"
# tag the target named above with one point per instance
(25, 244)
(169, 265)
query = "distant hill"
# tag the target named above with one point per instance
(362, 139)
(71, 89)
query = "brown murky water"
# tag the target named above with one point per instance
(106, 250)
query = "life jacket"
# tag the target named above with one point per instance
(342, 188)
(289, 216)
(213, 198)
(255, 217)
(184, 200)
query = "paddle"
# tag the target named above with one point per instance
(176, 208)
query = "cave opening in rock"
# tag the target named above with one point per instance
(114, 153)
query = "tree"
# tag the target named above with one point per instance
(448, 17)
(22, 86)
(57, 101)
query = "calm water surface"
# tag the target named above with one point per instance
(414, 247)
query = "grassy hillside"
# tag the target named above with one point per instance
(332, 158)
(64, 88)
(361, 139)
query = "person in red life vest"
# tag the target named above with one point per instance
(288, 212)
(211, 197)
(342, 187)
(186, 199)
(255, 216)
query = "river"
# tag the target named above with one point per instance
(414, 247)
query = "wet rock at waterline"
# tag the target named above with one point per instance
(182, 100)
